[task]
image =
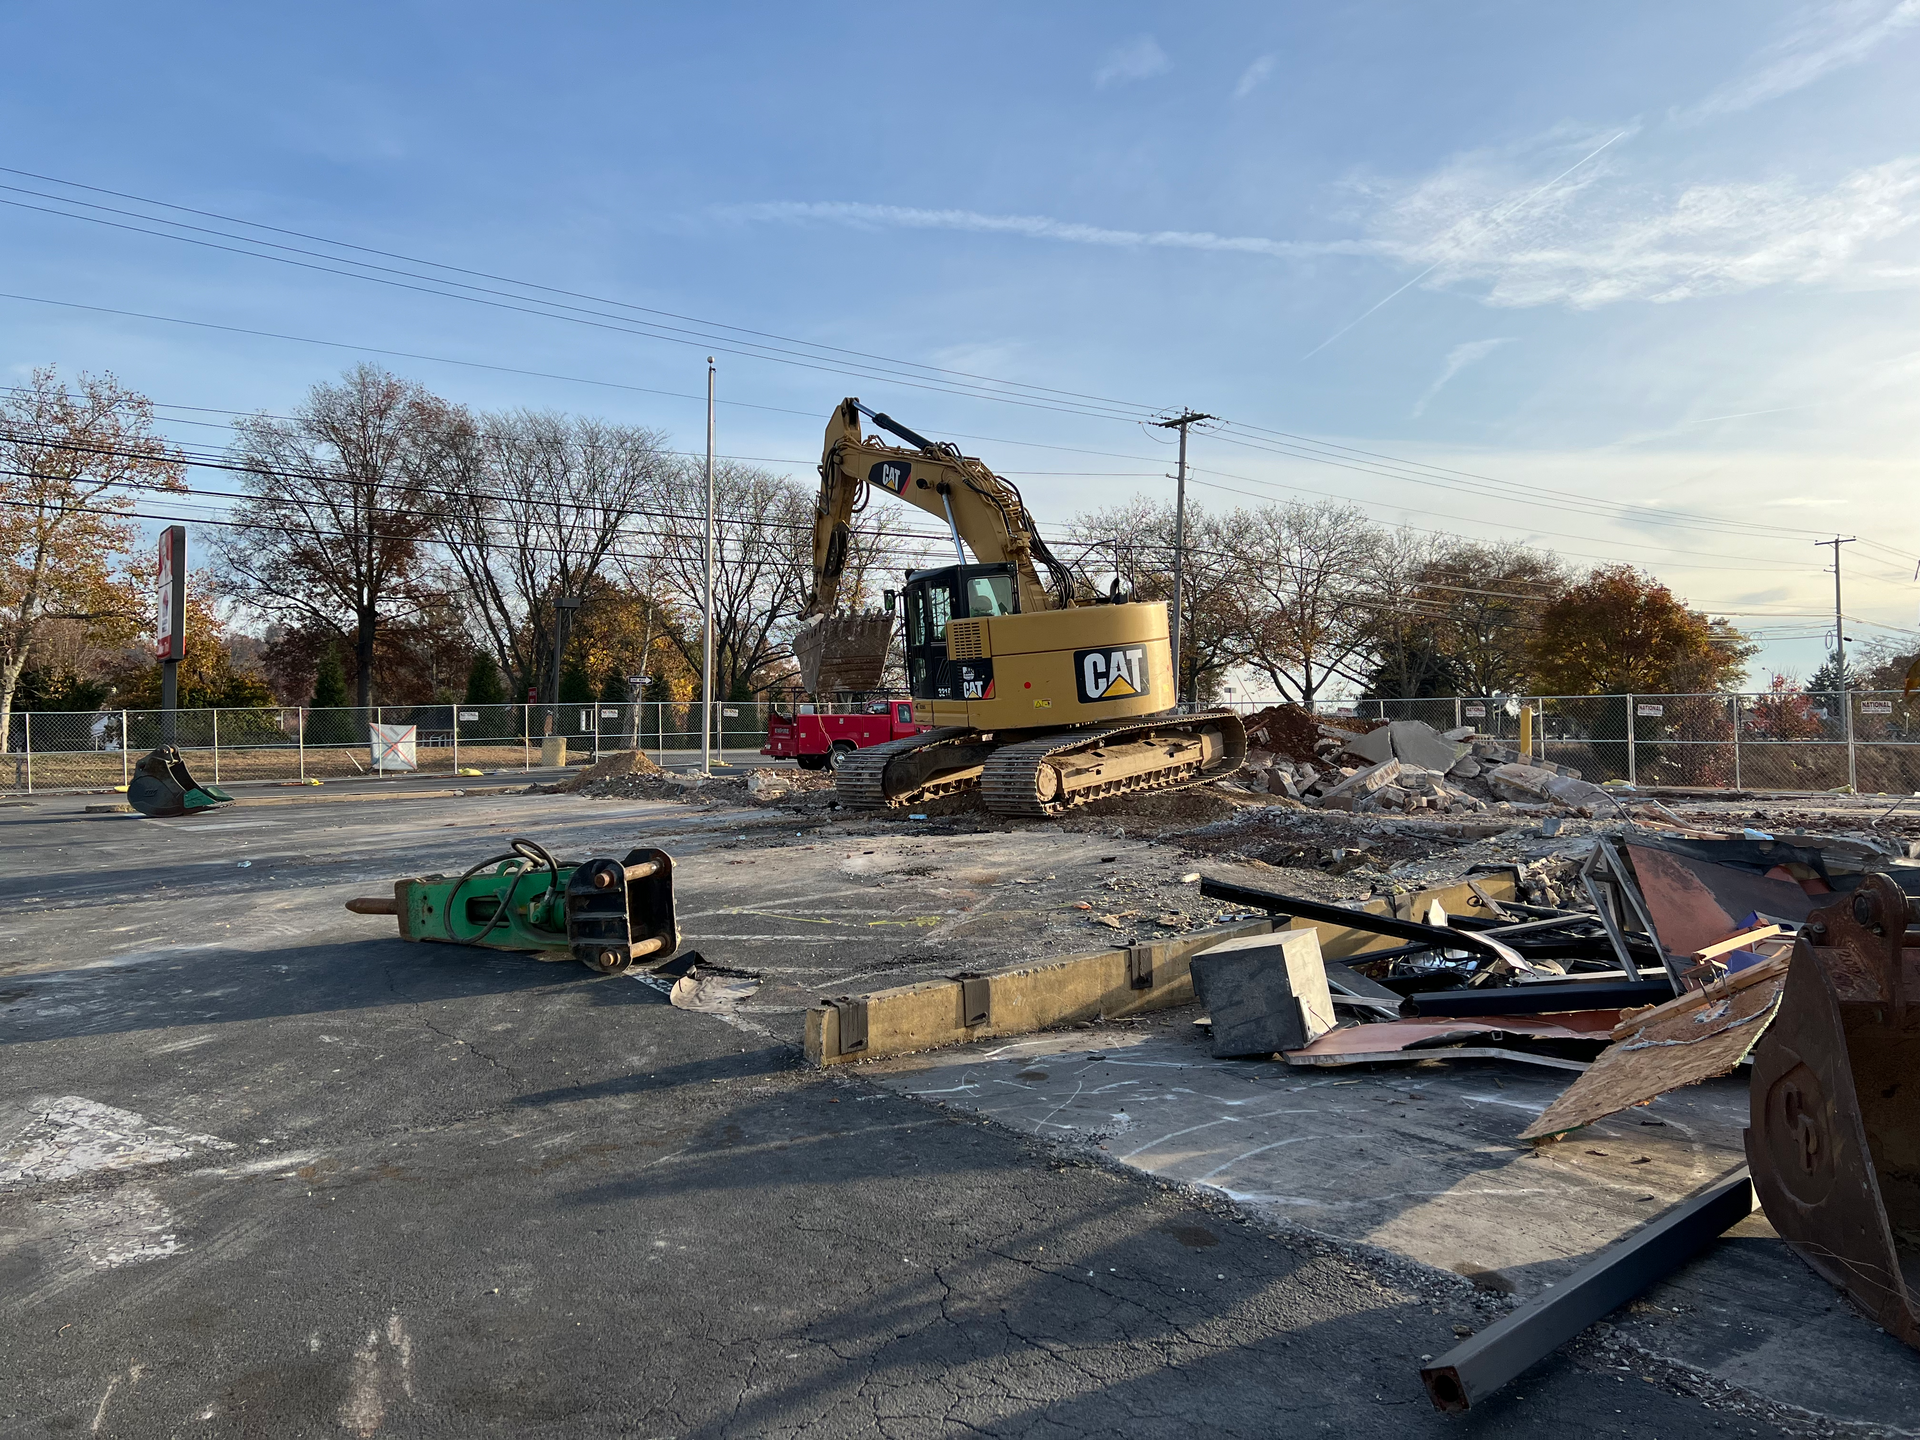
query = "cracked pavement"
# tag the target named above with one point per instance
(267, 1170)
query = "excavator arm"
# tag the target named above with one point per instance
(976, 505)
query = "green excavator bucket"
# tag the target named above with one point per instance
(162, 786)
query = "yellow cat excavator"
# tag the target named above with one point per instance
(1040, 693)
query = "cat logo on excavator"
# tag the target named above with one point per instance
(1105, 674)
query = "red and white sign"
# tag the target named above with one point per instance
(169, 636)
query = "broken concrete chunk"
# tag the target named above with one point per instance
(1537, 784)
(1458, 734)
(1365, 782)
(1374, 747)
(1416, 742)
(1265, 993)
(1465, 768)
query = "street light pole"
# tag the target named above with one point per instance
(1180, 423)
(706, 628)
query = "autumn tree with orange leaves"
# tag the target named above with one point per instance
(1619, 632)
(72, 464)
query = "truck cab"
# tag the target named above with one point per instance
(818, 742)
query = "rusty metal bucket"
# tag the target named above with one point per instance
(844, 653)
(1834, 1140)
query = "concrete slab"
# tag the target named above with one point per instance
(1415, 743)
(266, 1169)
(1420, 1161)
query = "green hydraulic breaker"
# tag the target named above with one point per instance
(604, 913)
(162, 786)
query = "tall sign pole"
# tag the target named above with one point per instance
(706, 628)
(1180, 423)
(170, 635)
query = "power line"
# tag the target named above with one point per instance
(1414, 471)
(533, 285)
(599, 320)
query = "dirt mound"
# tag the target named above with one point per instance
(616, 766)
(1285, 730)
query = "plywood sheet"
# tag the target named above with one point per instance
(1678, 1047)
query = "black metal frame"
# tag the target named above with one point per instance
(1474, 1370)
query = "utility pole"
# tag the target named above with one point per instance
(565, 609)
(1180, 423)
(1839, 623)
(706, 629)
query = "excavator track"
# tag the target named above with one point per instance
(1069, 768)
(862, 780)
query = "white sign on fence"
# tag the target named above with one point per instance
(1876, 707)
(731, 714)
(609, 714)
(1475, 712)
(393, 747)
(1649, 709)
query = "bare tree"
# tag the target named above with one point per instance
(1136, 540)
(1492, 597)
(338, 509)
(538, 508)
(69, 464)
(1314, 586)
(763, 561)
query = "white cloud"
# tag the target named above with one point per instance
(1829, 37)
(1138, 59)
(1458, 359)
(1036, 227)
(1598, 239)
(1253, 77)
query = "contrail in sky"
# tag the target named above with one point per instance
(1496, 216)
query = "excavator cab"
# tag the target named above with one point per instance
(935, 597)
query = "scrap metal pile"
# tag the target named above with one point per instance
(1697, 952)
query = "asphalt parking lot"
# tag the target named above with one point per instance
(266, 1169)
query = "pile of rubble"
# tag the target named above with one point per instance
(1402, 765)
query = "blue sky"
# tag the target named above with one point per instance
(1645, 275)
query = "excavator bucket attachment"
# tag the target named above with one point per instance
(843, 652)
(619, 911)
(1834, 1140)
(163, 786)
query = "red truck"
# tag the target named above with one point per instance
(822, 741)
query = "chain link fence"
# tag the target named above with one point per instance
(1869, 739)
(1795, 741)
(58, 750)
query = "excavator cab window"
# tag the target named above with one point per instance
(933, 597)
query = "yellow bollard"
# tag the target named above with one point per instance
(1526, 732)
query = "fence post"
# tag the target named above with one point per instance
(126, 765)
(526, 735)
(660, 733)
(1633, 725)
(456, 739)
(216, 745)
(26, 740)
(1736, 742)
(1457, 721)
(1846, 699)
(300, 734)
